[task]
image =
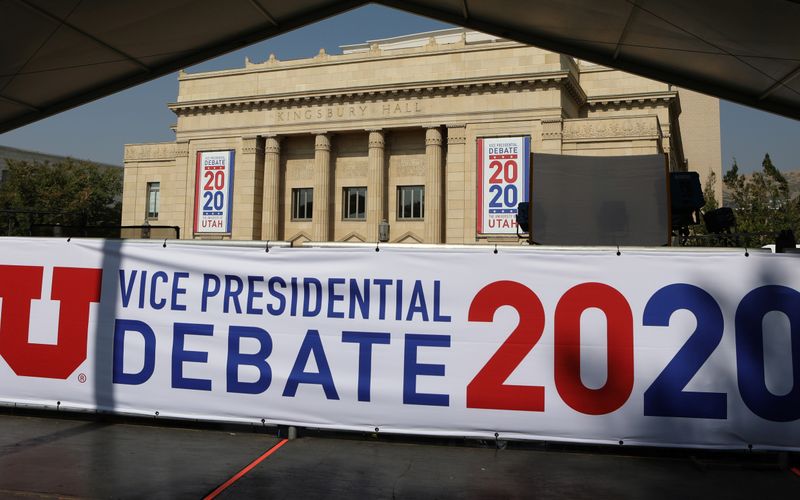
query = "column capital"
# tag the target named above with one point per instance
(181, 148)
(433, 136)
(376, 138)
(322, 141)
(552, 128)
(251, 145)
(272, 144)
(456, 134)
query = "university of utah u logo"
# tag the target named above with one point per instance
(75, 288)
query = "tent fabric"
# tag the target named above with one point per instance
(57, 54)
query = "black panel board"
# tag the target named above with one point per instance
(600, 200)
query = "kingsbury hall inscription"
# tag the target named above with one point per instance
(348, 111)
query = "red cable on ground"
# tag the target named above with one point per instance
(244, 471)
(796, 470)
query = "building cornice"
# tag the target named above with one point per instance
(488, 116)
(667, 97)
(156, 151)
(411, 89)
(574, 89)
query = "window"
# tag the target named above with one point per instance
(302, 203)
(153, 195)
(354, 203)
(410, 202)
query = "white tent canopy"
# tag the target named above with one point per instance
(57, 54)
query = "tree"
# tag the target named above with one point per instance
(762, 202)
(709, 193)
(72, 192)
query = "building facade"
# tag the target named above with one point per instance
(326, 148)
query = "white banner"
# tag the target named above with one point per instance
(667, 348)
(214, 193)
(503, 170)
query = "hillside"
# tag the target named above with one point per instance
(7, 153)
(793, 177)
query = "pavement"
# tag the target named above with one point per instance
(73, 456)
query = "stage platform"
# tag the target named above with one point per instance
(73, 456)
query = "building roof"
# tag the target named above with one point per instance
(414, 40)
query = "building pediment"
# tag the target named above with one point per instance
(354, 237)
(300, 238)
(409, 237)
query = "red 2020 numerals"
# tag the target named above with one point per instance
(619, 330)
(488, 388)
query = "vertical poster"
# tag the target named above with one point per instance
(213, 203)
(503, 170)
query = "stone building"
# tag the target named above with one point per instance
(327, 147)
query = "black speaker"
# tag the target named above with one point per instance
(721, 220)
(686, 198)
(785, 240)
(686, 193)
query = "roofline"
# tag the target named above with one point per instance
(410, 36)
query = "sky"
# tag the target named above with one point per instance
(98, 131)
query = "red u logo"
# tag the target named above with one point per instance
(75, 288)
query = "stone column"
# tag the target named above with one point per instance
(433, 185)
(247, 188)
(183, 171)
(271, 198)
(186, 169)
(455, 179)
(322, 188)
(376, 195)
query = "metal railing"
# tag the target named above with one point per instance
(145, 231)
(42, 223)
